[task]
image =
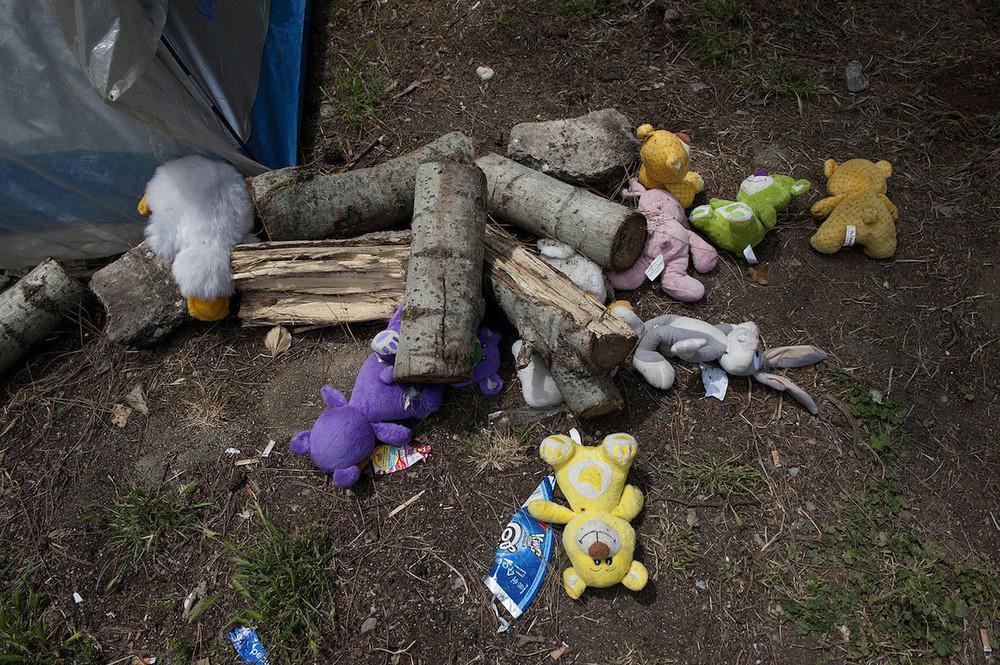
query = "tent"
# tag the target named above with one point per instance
(97, 93)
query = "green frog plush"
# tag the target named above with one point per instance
(736, 225)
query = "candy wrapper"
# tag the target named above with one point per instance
(523, 556)
(390, 459)
(248, 645)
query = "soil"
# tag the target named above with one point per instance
(924, 325)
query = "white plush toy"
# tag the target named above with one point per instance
(581, 271)
(199, 208)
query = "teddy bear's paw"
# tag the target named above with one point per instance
(736, 213)
(573, 584)
(386, 343)
(556, 449)
(620, 447)
(700, 213)
(654, 368)
(800, 187)
(636, 577)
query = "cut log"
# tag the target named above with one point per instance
(610, 234)
(587, 394)
(303, 203)
(33, 307)
(321, 283)
(444, 280)
(142, 301)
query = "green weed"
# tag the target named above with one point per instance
(677, 546)
(780, 76)
(504, 19)
(26, 637)
(144, 523)
(587, 10)
(881, 415)
(358, 85)
(710, 476)
(731, 13)
(288, 584)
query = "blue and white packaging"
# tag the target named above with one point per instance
(523, 556)
(248, 645)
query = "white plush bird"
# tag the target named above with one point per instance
(199, 208)
(583, 272)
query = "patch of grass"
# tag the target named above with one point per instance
(678, 546)
(881, 415)
(713, 477)
(501, 448)
(358, 85)
(780, 76)
(180, 651)
(951, 125)
(732, 13)
(288, 584)
(872, 584)
(26, 637)
(715, 47)
(504, 19)
(144, 523)
(587, 10)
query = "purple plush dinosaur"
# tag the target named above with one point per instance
(347, 431)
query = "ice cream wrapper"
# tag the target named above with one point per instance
(390, 459)
(523, 556)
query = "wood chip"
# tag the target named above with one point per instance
(556, 654)
(245, 462)
(406, 503)
(758, 274)
(984, 637)
(270, 447)
(119, 415)
(776, 459)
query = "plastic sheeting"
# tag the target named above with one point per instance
(97, 93)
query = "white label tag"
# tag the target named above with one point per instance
(749, 255)
(850, 235)
(716, 381)
(574, 434)
(655, 268)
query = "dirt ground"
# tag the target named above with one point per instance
(751, 577)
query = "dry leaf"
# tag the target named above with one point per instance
(278, 340)
(758, 274)
(559, 653)
(137, 400)
(119, 415)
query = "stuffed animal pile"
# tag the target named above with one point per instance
(857, 211)
(597, 537)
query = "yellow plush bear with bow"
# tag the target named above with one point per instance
(665, 164)
(598, 538)
(857, 211)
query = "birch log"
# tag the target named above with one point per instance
(444, 280)
(575, 334)
(303, 203)
(325, 282)
(33, 307)
(608, 233)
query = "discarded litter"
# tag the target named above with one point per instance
(248, 646)
(270, 447)
(716, 381)
(522, 557)
(390, 459)
(77, 598)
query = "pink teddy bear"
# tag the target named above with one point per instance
(669, 237)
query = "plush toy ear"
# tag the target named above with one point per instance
(829, 166)
(300, 443)
(885, 167)
(634, 190)
(685, 139)
(557, 449)
(332, 397)
(644, 131)
(620, 448)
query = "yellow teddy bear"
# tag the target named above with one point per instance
(858, 212)
(665, 164)
(598, 538)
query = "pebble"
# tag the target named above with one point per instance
(368, 625)
(485, 73)
(810, 506)
(698, 87)
(701, 584)
(855, 77)
(670, 15)
(793, 471)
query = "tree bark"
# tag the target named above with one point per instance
(585, 393)
(444, 280)
(303, 203)
(33, 307)
(325, 282)
(608, 233)
(142, 301)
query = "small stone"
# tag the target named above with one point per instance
(368, 625)
(810, 506)
(883, 539)
(793, 471)
(692, 517)
(698, 86)
(855, 77)
(701, 584)
(485, 73)
(670, 15)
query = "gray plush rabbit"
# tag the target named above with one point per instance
(734, 347)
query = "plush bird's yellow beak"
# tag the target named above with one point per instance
(215, 309)
(143, 207)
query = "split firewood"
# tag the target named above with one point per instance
(303, 203)
(33, 307)
(575, 334)
(321, 282)
(142, 301)
(444, 280)
(610, 234)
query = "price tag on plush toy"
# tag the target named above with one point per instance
(850, 235)
(655, 268)
(749, 255)
(716, 381)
